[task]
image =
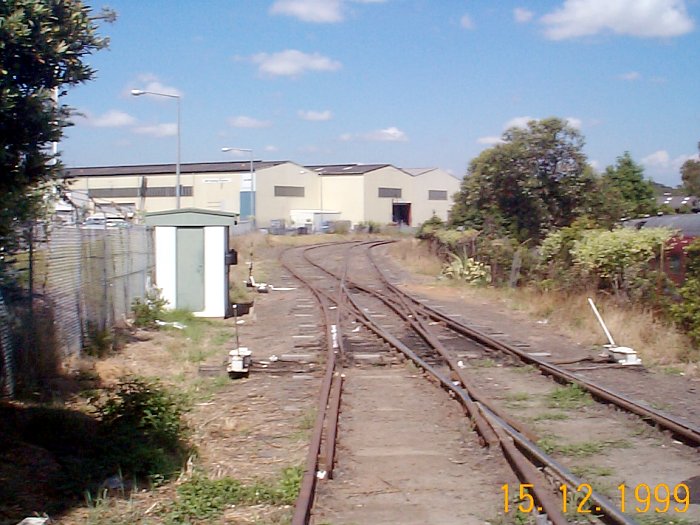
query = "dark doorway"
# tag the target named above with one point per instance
(401, 213)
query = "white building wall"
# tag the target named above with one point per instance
(423, 206)
(269, 207)
(378, 209)
(217, 191)
(215, 286)
(345, 193)
(166, 264)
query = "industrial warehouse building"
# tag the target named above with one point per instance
(279, 192)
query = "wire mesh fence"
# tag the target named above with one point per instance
(70, 284)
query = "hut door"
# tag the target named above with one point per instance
(190, 269)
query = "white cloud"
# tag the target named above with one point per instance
(659, 159)
(317, 116)
(111, 119)
(662, 160)
(241, 121)
(647, 18)
(292, 62)
(390, 134)
(168, 129)
(630, 76)
(319, 11)
(574, 122)
(522, 15)
(466, 22)
(489, 141)
(270, 148)
(517, 122)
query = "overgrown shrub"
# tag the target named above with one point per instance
(143, 429)
(686, 312)
(468, 270)
(619, 257)
(148, 310)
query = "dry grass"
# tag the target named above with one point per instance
(656, 341)
(415, 256)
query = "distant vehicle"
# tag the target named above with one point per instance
(94, 223)
(100, 222)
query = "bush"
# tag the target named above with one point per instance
(148, 310)
(143, 429)
(618, 258)
(686, 313)
(468, 270)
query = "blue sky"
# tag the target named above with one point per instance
(414, 83)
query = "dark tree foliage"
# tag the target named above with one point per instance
(690, 174)
(633, 194)
(537, 179)
(43, 44)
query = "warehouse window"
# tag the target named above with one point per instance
(114, 193)
(391, 193)
(106, 193)
(437, 195)
(289, 191)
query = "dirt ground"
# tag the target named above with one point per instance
(252, 428)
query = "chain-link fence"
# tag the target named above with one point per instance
(70, 287)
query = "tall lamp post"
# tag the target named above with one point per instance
(251, 216)
(139, 92)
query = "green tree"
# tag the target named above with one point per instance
(690, 174)
(43, 44)
(634, 195)
(537, 179)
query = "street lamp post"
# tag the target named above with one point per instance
(139, 92)
(251, 216)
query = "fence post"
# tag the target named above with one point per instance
(8, 376)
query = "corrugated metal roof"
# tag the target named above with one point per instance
(169, 169)
(414, 172)
(687, 223)
(345, 169)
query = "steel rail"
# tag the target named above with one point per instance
(517, 448)
(690, 433)
(523, 467)
(304, 501)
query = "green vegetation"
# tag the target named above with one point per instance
(148, 310)
(690, 174)
(536, 179)
(550, 444)
(551, 416)
(590, 448)
(201, 498)
(143, 430)
(43, 48)
(591, 470)
(687, 311)
(468, 270)
(570, 397)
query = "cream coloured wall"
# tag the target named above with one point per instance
(423, 208)
(344, 193)
(217, 191)
(378, 209)
(268, 207)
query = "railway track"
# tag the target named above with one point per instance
(362, 309)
